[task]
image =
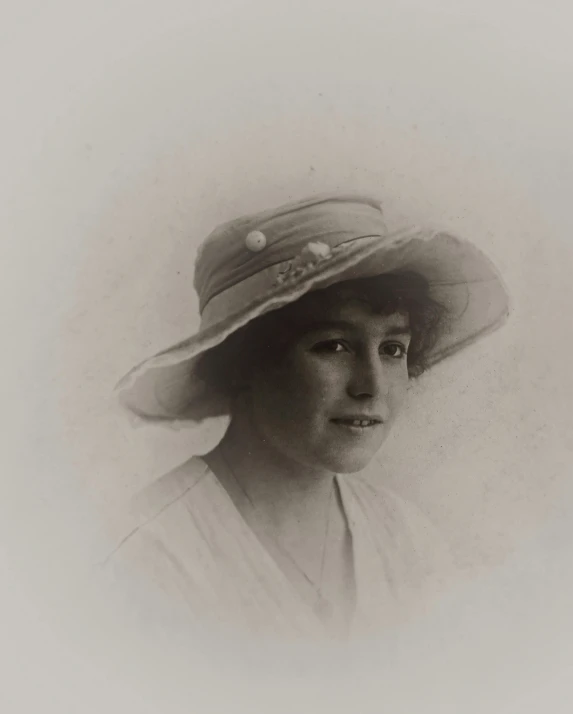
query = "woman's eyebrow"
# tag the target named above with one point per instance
(327, 325)
(399, 331)
(394, 331)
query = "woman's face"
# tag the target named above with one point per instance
(331, 398)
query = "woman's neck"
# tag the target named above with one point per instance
(285, 503)
(281, 491)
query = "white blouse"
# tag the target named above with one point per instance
(192, 546)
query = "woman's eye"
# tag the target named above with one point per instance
(395, 350)
(330, 346)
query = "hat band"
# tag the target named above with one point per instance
(234, 253)
(240, 296)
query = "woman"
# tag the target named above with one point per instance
(314, 317)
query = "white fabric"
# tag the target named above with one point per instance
(193, 544)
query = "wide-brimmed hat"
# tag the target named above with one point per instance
(261, 262)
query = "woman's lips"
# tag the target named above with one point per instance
(357, 424)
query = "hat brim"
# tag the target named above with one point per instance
(166, 388)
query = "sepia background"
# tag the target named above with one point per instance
(129, 130)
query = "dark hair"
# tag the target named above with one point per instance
(229, 365)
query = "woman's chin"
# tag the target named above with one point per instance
(353, 467)
(350, 463)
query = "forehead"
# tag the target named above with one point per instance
(321, 308)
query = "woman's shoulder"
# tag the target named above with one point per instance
(152, 518)
(158, 502)
(152, 500)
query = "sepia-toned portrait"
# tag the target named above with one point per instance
(287, 292)
(315, 317)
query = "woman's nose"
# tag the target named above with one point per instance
(368, 380)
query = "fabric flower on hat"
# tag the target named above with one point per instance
(312, 254)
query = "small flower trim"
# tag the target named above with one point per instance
(310, 256)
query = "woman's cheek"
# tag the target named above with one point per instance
(321, 381)
(398, 394)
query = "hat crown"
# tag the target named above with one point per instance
(240, 248)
